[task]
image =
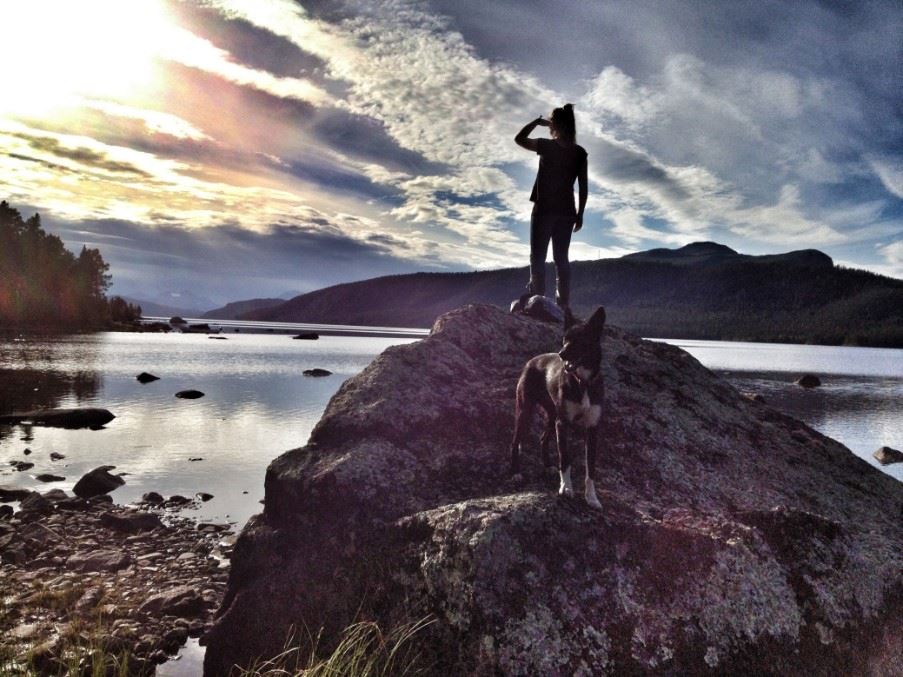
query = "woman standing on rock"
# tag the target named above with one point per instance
(555, 217)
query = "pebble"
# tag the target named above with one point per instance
(24, 631)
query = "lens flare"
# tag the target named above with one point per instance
(55, 51)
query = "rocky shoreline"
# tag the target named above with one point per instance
(84, 574)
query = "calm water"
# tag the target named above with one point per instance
(860, 401)
(258, 404)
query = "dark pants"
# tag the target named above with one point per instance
(558, 229)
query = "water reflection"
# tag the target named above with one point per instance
(27, 389)
(863, 413)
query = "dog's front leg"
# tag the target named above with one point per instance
(547, 437)
(564, 458)
(592, 436)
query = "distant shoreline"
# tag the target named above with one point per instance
(255, 327)
(264, 327)
(285, 328)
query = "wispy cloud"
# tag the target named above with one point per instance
(156, 122)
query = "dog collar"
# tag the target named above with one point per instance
(583, 383)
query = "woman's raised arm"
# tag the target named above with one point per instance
(523, 136)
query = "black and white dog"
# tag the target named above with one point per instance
(569, 387)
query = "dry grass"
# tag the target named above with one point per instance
(364, 650)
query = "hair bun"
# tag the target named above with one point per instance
(569, 106)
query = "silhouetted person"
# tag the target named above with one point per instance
(555, 217)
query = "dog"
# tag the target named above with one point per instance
(568, 385)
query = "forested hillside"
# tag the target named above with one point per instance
(45, 286)
(704, 290)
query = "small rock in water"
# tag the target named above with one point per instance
(204, 496)
(21, 465)
(888, 455)
(189, 394)
(178, 500)
(195, 459)
(152, 497)
(218, 338)
(144, 377)
(317, 372)
(54, 456)
(26, 451)
(98, 481)
(47, 477)
(808, 381)
(307, 335)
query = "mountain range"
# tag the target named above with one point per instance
(704, 290)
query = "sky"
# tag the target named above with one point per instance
(216, 150)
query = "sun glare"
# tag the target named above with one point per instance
(54, 51)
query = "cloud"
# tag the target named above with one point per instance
(893, 255)
(223, 263)
(615, 93)
(186, 48)
(85, 157)
(890, 171)
(156, 122)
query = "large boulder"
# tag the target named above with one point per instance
(733, 539)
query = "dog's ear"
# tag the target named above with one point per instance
(569, 320)
(597, 321)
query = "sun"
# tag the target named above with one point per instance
(54, 51)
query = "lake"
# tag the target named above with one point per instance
(258, 404)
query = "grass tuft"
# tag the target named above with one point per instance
(364, 650)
